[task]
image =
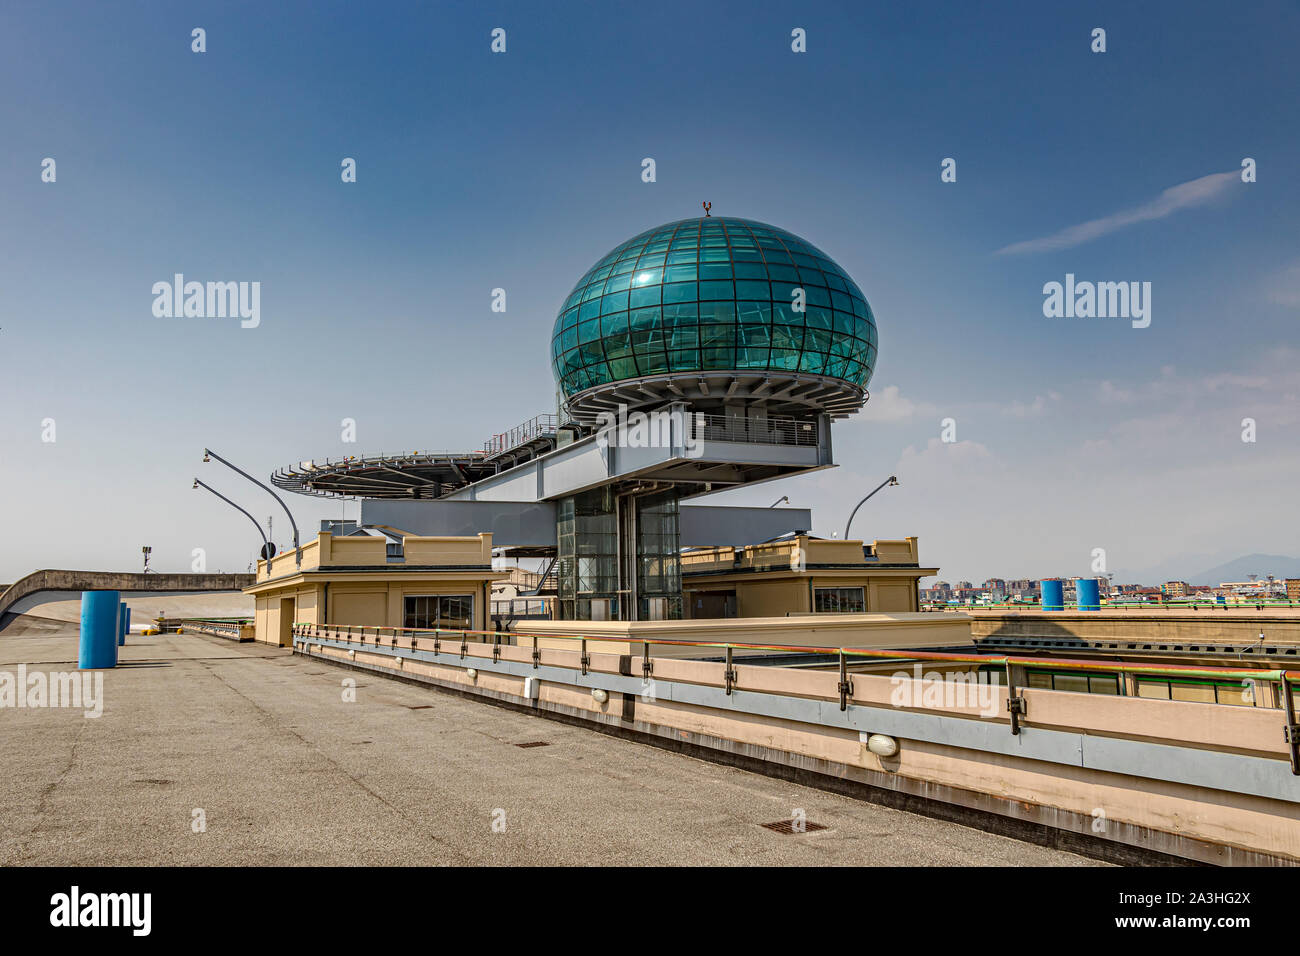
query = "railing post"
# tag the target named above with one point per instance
(1015, 705)
(845, 685)
(646, 669)
(729, 674)
(464, 644)
(583, 659)
(437, 642)
(496, 647)
(1292, 732)
(537, 654)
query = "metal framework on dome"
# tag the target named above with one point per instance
(714, 310)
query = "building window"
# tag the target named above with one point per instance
(839, 601)
(1195, 691)
(1078, 683)
(448, 611)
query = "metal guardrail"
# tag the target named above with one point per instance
(360, 460)
(539, 426)
(774, 430)
(426, 641)
(222, 627)
(523, 607)
(864, 654)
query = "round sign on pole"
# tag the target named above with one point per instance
(268, 551)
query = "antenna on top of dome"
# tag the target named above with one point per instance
(708, 206)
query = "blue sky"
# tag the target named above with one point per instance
(519, 170)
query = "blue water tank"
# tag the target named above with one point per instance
(1088, 594)
(126, 625)
(1053, 595)
(100, 625)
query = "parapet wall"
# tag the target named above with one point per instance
(1122, 777)
(59, 580)
(1241, 625)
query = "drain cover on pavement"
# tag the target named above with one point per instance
(794, 826)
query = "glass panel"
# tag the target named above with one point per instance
(658, 561)
(681, 292)
(1076, 683)
(1158, 690)
(1200, 693)
(1235, 694)
(1103, 685)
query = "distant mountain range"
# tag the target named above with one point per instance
(1240, 569)
(1235, 570)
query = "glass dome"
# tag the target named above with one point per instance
(709, 295)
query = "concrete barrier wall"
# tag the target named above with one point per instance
(59, 580)
(1180, 626)
(1128, 778)
(876, 629)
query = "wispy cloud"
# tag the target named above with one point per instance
(1039, 406)
(1285, 287)
(1183, 196)
(890, 405)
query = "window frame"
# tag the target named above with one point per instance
(861, 589)
(437, 599)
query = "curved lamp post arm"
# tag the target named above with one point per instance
(267, 551)
(297, 552)
(891, 480)
(785, 498)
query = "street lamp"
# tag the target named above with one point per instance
(891, 480)
(268, 549)
(785, 498)
(208, 454)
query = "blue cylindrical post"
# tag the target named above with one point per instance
(126, 625)
(1089, 598)
(99, 629)
(1053, 595)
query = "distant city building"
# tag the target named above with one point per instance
(1268, 589)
